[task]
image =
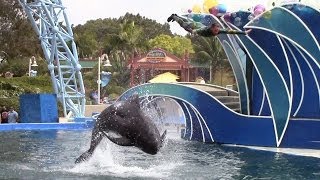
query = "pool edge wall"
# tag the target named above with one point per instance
(87, 125)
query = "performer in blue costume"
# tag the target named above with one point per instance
(198, 28)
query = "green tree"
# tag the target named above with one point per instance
(182, 45)
(95, 36)
(121, 74)
(126, 33)
(177, 45)
(87, 44)
(17, 37)
(162, 41)
(208, 49)
(127, 41)
(19, 66)
(119, 79)
(130, 36)
(150, 28)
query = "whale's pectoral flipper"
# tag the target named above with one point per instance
(84, 157)
(163, 137)
(96, 139)
(118, 139)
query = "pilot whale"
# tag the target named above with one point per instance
(125, 124)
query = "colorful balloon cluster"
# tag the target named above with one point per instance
(209, 6)
(218, 10)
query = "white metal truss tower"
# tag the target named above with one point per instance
(49, 20)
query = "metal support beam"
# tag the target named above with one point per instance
(50, 22)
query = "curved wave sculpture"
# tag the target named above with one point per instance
(278, 81)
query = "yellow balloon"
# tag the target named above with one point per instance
(196, 9)
(207, 4)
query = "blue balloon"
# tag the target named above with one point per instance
(222, 8)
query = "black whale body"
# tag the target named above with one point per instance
(125, 124)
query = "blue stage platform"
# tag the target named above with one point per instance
(278, 79)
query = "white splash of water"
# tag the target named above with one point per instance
(22, 166)
(112, 160)
(150, 107)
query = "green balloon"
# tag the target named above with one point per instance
(197, 17)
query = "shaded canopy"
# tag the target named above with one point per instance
(166, 77)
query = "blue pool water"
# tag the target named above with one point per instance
(50, 154)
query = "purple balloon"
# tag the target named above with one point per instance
(258, 11)
(189, 10)
(214, 11)
(227, 17)
(259, 6)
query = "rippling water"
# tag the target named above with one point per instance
(51, 155)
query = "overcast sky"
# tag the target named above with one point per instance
(80, 11)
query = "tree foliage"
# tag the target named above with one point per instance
(121, 39)
(18, 41)
(129, 38)
(17, 37)
(86, 44)
(121, 75)
(177, 45)
(208, 50)
(129, 33)
(150, 28)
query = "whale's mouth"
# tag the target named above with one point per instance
(117, 138)
(120, 114)
(113, 134)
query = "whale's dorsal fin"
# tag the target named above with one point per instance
(118, 139)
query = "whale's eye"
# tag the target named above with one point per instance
(120, 114)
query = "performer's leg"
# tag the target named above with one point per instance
(183, 22)
(179, 19)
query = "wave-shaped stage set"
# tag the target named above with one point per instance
(278, 96)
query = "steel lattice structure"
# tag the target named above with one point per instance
(49, 20)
